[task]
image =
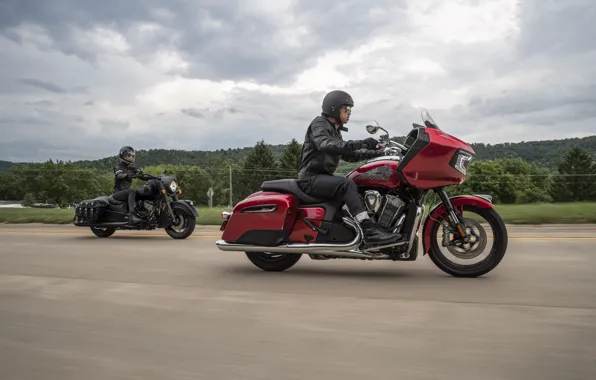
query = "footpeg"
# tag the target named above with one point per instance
(314, 228)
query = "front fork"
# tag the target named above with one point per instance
(171, 215)
(455, 222)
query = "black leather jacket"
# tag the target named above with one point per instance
(123, 176)
(323, 148)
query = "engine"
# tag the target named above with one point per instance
(146, 209)
(386, 209)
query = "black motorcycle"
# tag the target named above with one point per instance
(158, 206)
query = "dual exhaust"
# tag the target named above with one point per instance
(346, 249)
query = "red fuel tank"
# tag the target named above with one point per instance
(378, 173)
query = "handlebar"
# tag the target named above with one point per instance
(390, 147)
(145, 176)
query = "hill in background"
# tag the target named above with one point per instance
(545, 154)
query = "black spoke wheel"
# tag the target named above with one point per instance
(474, 248)
(272, 261)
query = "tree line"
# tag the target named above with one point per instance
(546, 153)
(508, 180)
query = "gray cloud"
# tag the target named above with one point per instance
(487, 72)
(43, 85)
(212, 35)
(193, 113)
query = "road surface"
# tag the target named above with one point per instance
(141, 305)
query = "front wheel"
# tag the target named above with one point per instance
(186, 222)
(475, 248)
(273, 262)
(103, 232)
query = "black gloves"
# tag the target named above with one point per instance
(371, 144)
(368, 143)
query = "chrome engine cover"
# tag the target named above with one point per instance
(386, 209)
(372, 200)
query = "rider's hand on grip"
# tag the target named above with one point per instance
(370, 143)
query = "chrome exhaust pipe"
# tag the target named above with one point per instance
(315, 248)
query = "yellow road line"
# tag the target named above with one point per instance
(91, 234)
(140, 234)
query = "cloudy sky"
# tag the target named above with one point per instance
(80, 78)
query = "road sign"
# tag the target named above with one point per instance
(210, 195)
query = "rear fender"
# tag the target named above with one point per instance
(458, 201)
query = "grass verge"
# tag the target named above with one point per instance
(207, 216)
(544, 213)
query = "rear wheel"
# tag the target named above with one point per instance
(479, 243)
(103, 232)
(273, 262)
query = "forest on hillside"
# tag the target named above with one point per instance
(544, 154)
(509, 179)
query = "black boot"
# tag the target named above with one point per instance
(375, 236)
(133, 218)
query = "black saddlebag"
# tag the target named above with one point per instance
(88, 212)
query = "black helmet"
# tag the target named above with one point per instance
(127, 154)
(333, 101)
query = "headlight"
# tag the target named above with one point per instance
(173, 186)
(461, 162)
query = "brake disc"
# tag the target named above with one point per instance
(474, 247)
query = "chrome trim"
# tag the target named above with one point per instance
(390, 158)
(377, 248)
(259, 208)
(416, 227)
(485, 196)
(318, 248)
(400, 221)
(376, 198)
(225, 215)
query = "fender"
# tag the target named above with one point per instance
(481, 201)
(187, 205)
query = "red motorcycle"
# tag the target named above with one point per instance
(280, 223)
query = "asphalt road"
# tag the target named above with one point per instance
(144, 306)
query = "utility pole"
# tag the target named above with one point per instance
(230, 166)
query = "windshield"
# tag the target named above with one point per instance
(428, 120)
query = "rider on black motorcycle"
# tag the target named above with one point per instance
(323, 148)
(124, 172)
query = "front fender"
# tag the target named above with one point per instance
(186, 204)
(481, 201)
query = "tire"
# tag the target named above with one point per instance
(189, 222)
(479, 269)
(273, 262)
(103, 232)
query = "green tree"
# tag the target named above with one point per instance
(576, 178)
(289, 162)
(259, 166)
(531, 183)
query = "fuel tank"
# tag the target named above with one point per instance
(379, 172)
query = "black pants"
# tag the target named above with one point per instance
(129, 195)
(334, 188)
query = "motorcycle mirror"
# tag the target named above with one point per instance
(372, 129)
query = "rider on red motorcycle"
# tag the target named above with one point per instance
(323, 148)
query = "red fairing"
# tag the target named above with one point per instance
(301, 233)
(242, 219)
(380, 174)
(430, 167)
(458, 203)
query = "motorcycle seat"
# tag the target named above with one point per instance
(109, 199)
(114, 202)
(290, 186)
